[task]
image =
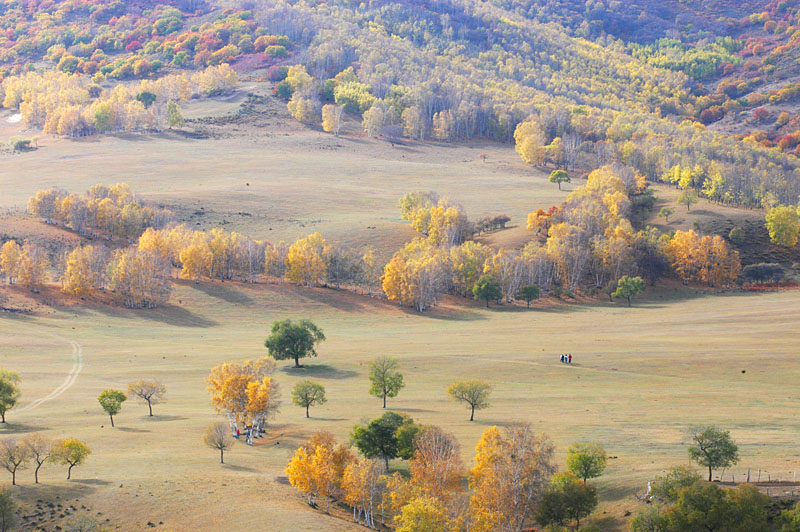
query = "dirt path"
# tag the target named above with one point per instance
(72, 376)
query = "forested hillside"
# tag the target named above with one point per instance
(665, 87)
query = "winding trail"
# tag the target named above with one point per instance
(72, 376)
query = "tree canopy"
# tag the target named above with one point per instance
(385, 378)
(293, 340)
(713, 448)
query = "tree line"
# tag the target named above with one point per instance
(71, 105)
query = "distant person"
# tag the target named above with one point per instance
(570, 359)
(562, 359)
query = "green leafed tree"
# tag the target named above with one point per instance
(386, 379)
(475, 393)
(629, 287)
(387, 437)
(586, 460)
(666, 212)
(293, 341)
(688, 197)
(9, 392)
(174, 114)
(306, 394)
(487, 288)
(566, 499)
(559, 176)
(528, 293)
(713, 448)
(111, 401)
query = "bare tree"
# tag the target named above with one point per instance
(39, 449)
(150, 392)
(218, 436)
(13, 456)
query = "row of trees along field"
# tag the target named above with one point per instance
(586, 243)
(72, 105)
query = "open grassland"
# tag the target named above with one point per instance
(640, 377)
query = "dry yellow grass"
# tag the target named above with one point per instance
(640, 377)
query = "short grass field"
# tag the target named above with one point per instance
(640, 376)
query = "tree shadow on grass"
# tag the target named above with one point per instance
(132, 429)
(48, 492)
(337, 299)
(91, 481)
(616, 493)
(167, 314)
(19, 428)
(438, 313)
(226, 292)
(157, 417)
(243, 469)
(320, 371)
(414, 410)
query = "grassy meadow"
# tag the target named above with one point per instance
(640, 376)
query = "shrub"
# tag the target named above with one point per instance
(737, 235)
(765, 272)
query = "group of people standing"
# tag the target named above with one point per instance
(566, 359)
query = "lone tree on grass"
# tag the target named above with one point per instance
(473, 392)
(389, 436)
(628, 287)
(293, 340)
(218, 437)
(559, 176)
(149, 392)
(529, 293)
(387, 381)
(9, 392)
(688, 197)
(40, 449)
(307, 394)
(713, 448)
(487, 288)
(13, 456)
(70, 452)
(586, 460)
(111, 401)
(666, 212)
